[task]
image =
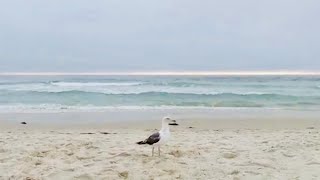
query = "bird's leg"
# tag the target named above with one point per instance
(159, 150)
(152, 150)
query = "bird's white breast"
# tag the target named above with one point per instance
(164, 137)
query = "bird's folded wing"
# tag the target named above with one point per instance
(154, 138)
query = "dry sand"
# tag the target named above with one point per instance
(211, 149)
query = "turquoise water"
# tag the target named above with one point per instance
(87, 93)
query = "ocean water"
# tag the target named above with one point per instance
(98, 93)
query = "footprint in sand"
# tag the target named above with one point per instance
(59, 175)
(235, 172)
(229, 155)
(2, 151)
(84, 177)
(124, 174)
(176, 153)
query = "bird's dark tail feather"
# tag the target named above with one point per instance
(141, 142)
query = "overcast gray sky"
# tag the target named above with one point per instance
(146, 35)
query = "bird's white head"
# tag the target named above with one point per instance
(165, 123)
(168, 120)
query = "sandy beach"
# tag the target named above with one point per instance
(217, 145)
(89, 90)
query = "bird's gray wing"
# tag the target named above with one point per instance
(154, 138)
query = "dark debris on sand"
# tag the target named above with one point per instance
(88, 133)
(106, 133)
(173, 124)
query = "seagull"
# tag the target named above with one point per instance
(159, 138)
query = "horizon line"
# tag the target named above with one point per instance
(166, 73)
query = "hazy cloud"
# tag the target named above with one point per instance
(99, 35)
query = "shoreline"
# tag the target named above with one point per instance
(141, 119)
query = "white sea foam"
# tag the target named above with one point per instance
(140, 88)
(95, 84)
(125, 88)
(55, 108)
(77, 93)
